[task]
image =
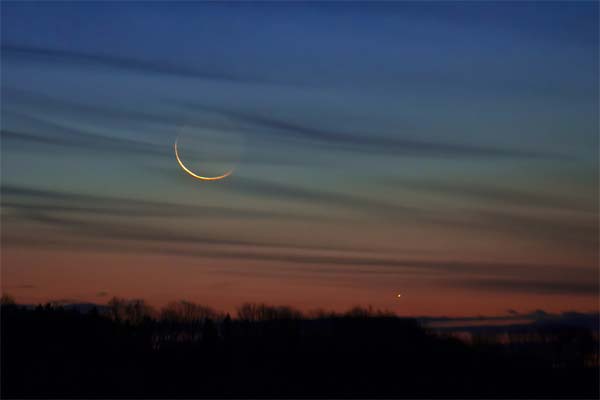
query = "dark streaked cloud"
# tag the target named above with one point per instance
(29, 137)
(47, 201)
(54, 103)
(112, 237)
(581, 232)
(511, 286)
(393, 265)
(488, 193)
(538, 317)
(82, 140)
(67, 210)
(135, 232)
(107, 60)
(265, 188)
(546, 227)
(22, 286)
(26, 106)
(69, 136)
(255, 187)
(36, 203)
(369, 142)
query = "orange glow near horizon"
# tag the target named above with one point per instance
(159, 279)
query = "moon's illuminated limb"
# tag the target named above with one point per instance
(202, 178)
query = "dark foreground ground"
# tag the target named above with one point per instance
(53, 352)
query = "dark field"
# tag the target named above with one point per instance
(190, 351)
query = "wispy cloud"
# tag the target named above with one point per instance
(591, 287)
(43, 205)
(326, 198)
(399, 145)
(41, 111)
(581, 232)
(42, 202)
(13, 98)
(106, 60)
(22, 286)
(570, 318)
(125, 237)
(70, 136)
(490, 194)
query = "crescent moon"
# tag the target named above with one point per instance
(189, 172)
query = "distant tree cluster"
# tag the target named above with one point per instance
(136, 311)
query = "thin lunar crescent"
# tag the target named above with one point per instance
(202, 178)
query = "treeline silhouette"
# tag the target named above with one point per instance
(128, 349)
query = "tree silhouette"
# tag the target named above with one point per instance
(189, 350)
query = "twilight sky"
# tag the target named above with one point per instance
(445, 151)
